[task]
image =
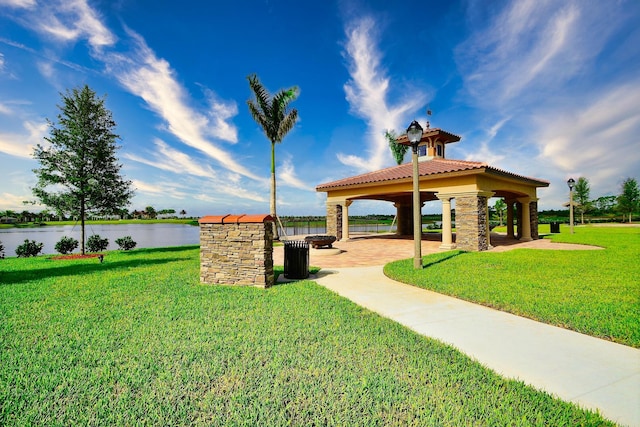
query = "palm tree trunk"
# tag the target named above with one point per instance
(272, 204)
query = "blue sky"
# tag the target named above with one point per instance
(543, 88)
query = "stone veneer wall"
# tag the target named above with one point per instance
(334, 220)
(237, 250)
(471, 223)
(533, 216)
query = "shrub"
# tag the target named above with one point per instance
(96, 244)
(125, 243)
(66, 245)
(29, 248)
(1, 251)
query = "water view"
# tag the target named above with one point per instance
(151, 235)
(145, 235)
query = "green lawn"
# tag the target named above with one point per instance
(593, 292)
(138, 341)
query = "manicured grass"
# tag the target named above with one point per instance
(593, 292)
(138, 341)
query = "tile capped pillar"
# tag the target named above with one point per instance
(237, 250)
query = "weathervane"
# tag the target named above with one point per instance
(429, 115)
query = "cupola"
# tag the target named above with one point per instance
(432, 144)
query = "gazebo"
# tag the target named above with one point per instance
(470, 183)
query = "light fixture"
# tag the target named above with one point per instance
(414, 135)
(571, 183)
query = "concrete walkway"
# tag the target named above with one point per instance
(591, 372)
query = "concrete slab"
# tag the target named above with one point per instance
(591, 372)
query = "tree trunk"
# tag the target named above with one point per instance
(272, 204)
(82, 240)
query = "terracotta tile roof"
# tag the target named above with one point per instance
(426, 168)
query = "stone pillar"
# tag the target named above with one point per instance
(471, 221)
(447, 238)
(526, 219)
(533, 215)
(345, 219)
(334, 220)
(237, 250)
(404, 213)
(510, 232)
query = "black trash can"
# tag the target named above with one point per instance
(555, 227)
(296, 259)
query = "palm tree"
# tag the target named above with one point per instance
(273, 115)
(398, 150)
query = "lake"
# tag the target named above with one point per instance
(145, 235)
(152, 235)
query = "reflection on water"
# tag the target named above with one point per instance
(145, 235)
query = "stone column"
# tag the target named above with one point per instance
(510, 232)
(345, 219)
(237, 250)
(334, 220)
(533, 214)
(526, 219)
(471, 221)
(404, 214)
(447, 238)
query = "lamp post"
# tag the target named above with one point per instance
(414, 134)
(571, 183)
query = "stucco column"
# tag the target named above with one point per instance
(488, 225)
(345, 219)
(447, 239)
(526, 219)
(510, 233)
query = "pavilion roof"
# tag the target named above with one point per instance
(429, 168)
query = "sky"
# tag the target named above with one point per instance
(543, 88)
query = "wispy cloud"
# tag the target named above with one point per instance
(169, 159)
(598, 139)
(525, 70)
(367, 92)
(287, 176)
(20, 4)
(145, 75)
(152, 78)
(532, 49)
(21, 145)
(66, 20)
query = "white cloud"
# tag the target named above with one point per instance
(530, 50)
(169, 159)
(153, 80)
(598, 138)
(367, 93)
(287, 176)
(166, 189)
(67, 20)
(21, 4)
(21, 145)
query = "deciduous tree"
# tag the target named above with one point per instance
(581, 197)
(79, 172)
(629, 198)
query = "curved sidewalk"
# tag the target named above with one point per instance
(591, 372)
